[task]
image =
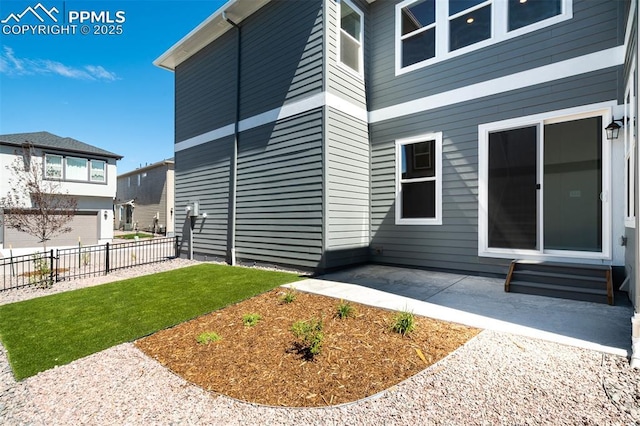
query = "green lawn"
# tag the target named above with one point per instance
(134, 235)
(55, 330)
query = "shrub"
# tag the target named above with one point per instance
(208, 337)
(309, 333)
(344, 310)
(42, 271)
(250, 320)
(289, 296)
(404, 322)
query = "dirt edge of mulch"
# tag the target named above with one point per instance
(265, 364)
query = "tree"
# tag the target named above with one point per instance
(35, 204)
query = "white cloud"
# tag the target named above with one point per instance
(100, 73)
(12, 65)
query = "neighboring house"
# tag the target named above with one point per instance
(145, 199)
(87, 173)
(424, 133)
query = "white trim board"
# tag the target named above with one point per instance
(563, 69)
(568, 68)
(288, 110)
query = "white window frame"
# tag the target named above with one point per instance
(46, 167)
(66, 165)
(499, 30)
(104, 171)
(630, 136)
(340, 33)
(437, 220)
(604, 110)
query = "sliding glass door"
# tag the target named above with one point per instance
(544, 186)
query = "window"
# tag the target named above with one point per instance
(629, 129)
(428, 31)
(418, 180)
(77, 169)
(350, 48)
(53, 166)
(98, 169)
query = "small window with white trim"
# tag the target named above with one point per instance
(350, 36)
(429, 31)
(419, 180)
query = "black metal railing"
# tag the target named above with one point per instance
(44, 268)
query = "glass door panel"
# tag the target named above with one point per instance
(513, 200)
(572, 185)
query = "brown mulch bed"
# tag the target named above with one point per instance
(360, 355)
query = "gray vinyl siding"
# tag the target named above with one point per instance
(454, 244)
(595, 26)
(202, 174)
(348, 188)
(279, 192)
(205, 89)
(281, 55)
(341, 81)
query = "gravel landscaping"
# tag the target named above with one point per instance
(495, 378)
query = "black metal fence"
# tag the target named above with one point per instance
(45, 268)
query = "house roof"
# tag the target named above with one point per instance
(51, 141)
(208, 30)
(160, 163)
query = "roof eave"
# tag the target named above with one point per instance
(208, 30)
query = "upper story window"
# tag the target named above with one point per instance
(53, 166)
(98, 171)
(429, 31)
(75, 169)
(350, 47)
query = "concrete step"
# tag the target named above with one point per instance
(591, 283)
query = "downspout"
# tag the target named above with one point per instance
(233, 175)
(635, 320)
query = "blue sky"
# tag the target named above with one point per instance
(100, 89)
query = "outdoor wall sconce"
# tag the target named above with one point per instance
(106, 215)
(613, 129)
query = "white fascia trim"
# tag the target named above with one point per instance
(288, 110)
(568, 68)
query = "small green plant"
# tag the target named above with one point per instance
(86, 259)
(41, 271)
(310, 334)
(289, 296)
(404, 322)
(344, 310)
(250, 320)
(208, 337)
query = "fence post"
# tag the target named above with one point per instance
(106, 261)
(51, 269)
